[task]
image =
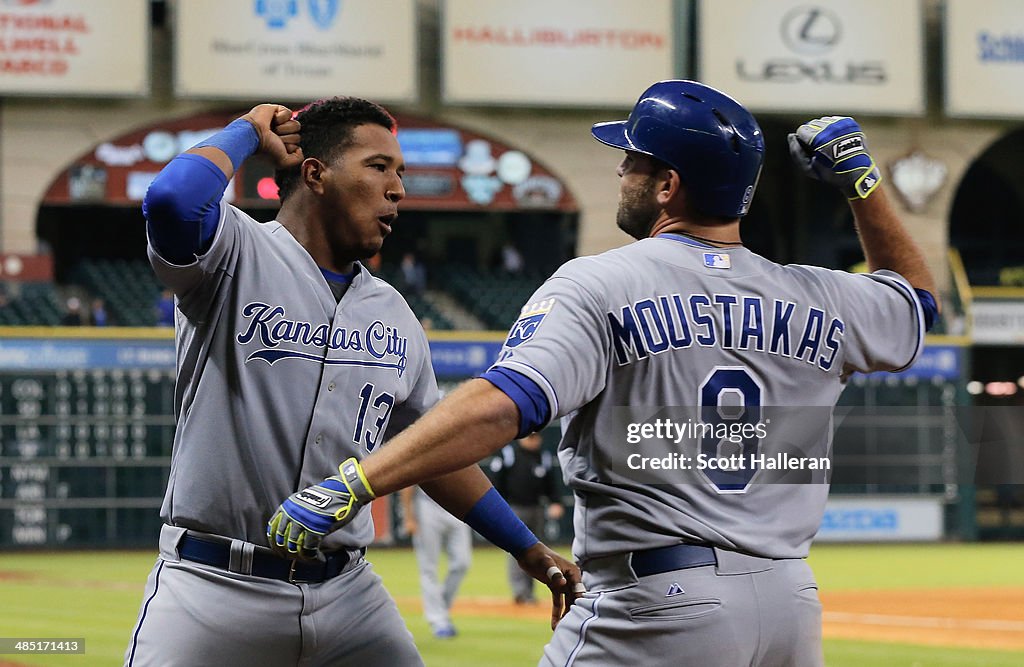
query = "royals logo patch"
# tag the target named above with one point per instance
(530, 319)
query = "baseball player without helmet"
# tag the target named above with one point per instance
(713, 142)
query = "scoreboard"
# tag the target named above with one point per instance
(84, 456)
(86, 429)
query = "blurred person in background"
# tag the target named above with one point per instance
(414, 274)
(98, 313)
(164, 309)
(527, 476)
(435, 531)
(512, 261)
(72, 313)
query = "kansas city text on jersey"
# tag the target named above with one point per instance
(727, 321)
(268, 323)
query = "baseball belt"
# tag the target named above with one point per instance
(217, 553)
(668, 559)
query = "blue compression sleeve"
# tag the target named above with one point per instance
(238, 140)
(534, 410)
(931, 309)
(182, 207)
(497, 523)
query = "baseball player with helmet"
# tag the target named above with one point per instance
(709, 573)
(291, 356)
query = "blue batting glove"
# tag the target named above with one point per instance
(306, 516)
(832, 149)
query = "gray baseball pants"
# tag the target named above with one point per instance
(440, 531)
(745, 611)
(194, 615)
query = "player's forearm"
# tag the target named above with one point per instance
(230, 147)
(459, 491)
(472, 422)
(886, 242)
(218, 157)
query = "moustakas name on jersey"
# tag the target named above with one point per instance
(728, 321)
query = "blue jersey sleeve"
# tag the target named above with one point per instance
(182, 207)
(526, 394)
(930, 308)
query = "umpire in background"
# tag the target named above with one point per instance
(525, 474)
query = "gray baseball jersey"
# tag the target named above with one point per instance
(278, 381)
(671, 322)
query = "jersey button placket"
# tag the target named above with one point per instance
(319, 438)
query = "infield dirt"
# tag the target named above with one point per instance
(989, 618)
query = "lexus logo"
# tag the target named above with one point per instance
(811, 30)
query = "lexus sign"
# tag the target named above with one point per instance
(811, 31)
(826, 56)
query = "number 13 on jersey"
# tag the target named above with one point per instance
(370, 433)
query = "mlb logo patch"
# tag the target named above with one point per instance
(717, 260)
(530, 319)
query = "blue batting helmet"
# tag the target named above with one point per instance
(709, 138)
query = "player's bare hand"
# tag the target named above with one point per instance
(278, 132)
(561, 576)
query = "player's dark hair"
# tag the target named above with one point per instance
(327, 130)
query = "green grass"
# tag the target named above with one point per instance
(874, 566)
(846, 653)
(96, 595)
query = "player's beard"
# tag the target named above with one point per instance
(638, 210)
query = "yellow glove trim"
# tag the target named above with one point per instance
(359, 472)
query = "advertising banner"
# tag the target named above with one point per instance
(819, 57)
(566, 53)
(880, 519)
(984, 48)
(295, 49)
(997, 322)
(447, 168)
(96, 48)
